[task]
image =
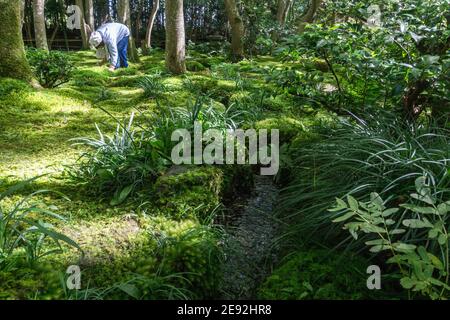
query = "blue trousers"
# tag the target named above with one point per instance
(122, 48)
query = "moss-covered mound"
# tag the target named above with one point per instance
(317, 274)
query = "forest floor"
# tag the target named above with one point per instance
(35, 139)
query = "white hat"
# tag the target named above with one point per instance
(96, 39)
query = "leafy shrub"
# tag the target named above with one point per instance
(415, 236)
(51, 68)
(317, 274)
(403, 64)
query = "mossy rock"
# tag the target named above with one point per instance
(317, 274)
(195, 66)
(192, 193)
(288, 128)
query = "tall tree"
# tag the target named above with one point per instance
(39, 24)
(89, 14)
(83, 26)
(124, 15)
(237, 29)
(175, 37)
(309, 15)
(13, 62)
(151, 23)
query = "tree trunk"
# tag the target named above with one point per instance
(89, 14)
(282, 14)
(40, 32)
(123, 12)
(309, 16)
(83, 25)
(22, 12)
(138, 22)
(151, 23)
(175, 37)
(237, 30)
(283, 11)
(13, 62)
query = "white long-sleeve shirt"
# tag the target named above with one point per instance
(112, 33)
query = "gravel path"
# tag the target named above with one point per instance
(250, 245)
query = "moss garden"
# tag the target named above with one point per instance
(94, 206)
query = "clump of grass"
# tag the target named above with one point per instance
(153, 86)
(379, 154)
(119, 163)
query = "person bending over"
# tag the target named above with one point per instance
(114, 38)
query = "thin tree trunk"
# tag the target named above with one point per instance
(83, 25)
(123, 12)
(22, 12)
(55, 31)
(175, 37)
(237, 30)
(282, 14)
(309, 16)
(151, 23)
(283, 11)
(13, 62)
(89, 14)
(39, 24)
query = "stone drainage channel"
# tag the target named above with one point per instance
(250, 250)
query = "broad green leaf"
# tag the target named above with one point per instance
(377, 242)
(424, 210)
(397, 231)
(423, 253)
(353, 203)
(122, 196)
(443, 208)
(379, 248)
(416, 224)
(389, 212)
(442, 239)
(433, 233)
(345, 217)
(408, 283)
(436, 262)
(403, 247)
(130, 290)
